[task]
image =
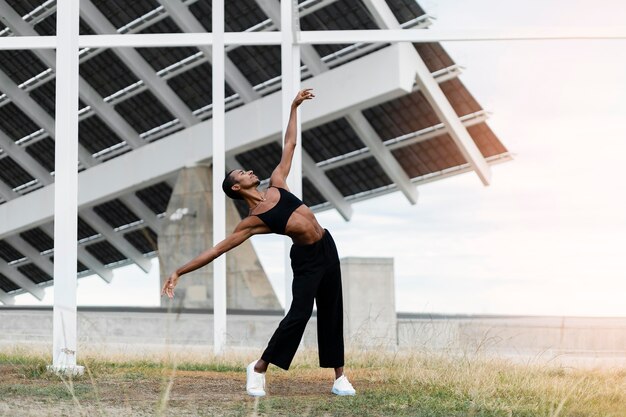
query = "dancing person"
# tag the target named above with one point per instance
(314, 260)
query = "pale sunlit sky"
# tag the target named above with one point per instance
(548, 236)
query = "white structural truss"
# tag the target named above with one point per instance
(257, 115)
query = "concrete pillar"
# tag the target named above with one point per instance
(369, 302)
(188, 231)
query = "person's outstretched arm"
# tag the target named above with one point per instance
(279, 175)
(242, 232)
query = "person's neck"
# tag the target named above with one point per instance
(254, 198)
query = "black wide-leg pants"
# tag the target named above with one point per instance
(316, 276)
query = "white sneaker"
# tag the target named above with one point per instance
(255, 382)
(342, 386)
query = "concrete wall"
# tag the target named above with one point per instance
(504, 334)
(369, 301)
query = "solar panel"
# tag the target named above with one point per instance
(95, 135)
(20, 65)
(15, 123)
(48, 26)
(144, 240)
(43, 152)
(34, 273)
(104, 252)
(238, 15)
(23, 7)
(429, 156)
(434, 56)
(257, 63)
(156, 197)
(311, 195)
(402, 115)
(195, 87)
(115, 213)
(44, 96)
(363, 175)
(459, 97)
(144, 112)
(160, 58)
(340, 15)
(8, 252)
(38, 239)
(405, 10)
(331, 139)
(486, 140)
(106, 73)
(7, 285)
(84, 230)
(122, 12)
(12, 173)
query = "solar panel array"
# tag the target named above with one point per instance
(407, 125)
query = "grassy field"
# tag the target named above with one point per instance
(387, 384)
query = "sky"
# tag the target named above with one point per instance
(548, 236)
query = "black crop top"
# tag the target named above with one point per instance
(276, 218)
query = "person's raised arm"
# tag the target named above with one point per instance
(280, 173)
(242, 232)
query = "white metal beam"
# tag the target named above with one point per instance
(20, 279)
(355, 85)
(436, 98)
(324, 37)
(325, 186)
(219, 199)
(384, 157)
(188, 23)
(64, 321)
(116, 239)
(139, 66)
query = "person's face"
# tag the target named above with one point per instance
(245, 180)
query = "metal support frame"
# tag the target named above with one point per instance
(64, 339)
(219, 162)
(290, 70)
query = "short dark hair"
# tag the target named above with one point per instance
(227, 185)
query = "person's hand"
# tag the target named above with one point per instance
(170, 283)
(302, 95)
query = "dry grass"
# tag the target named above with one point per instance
(388, 384)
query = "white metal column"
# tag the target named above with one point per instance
(219, 199)
(66, 190)
(290, 69)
